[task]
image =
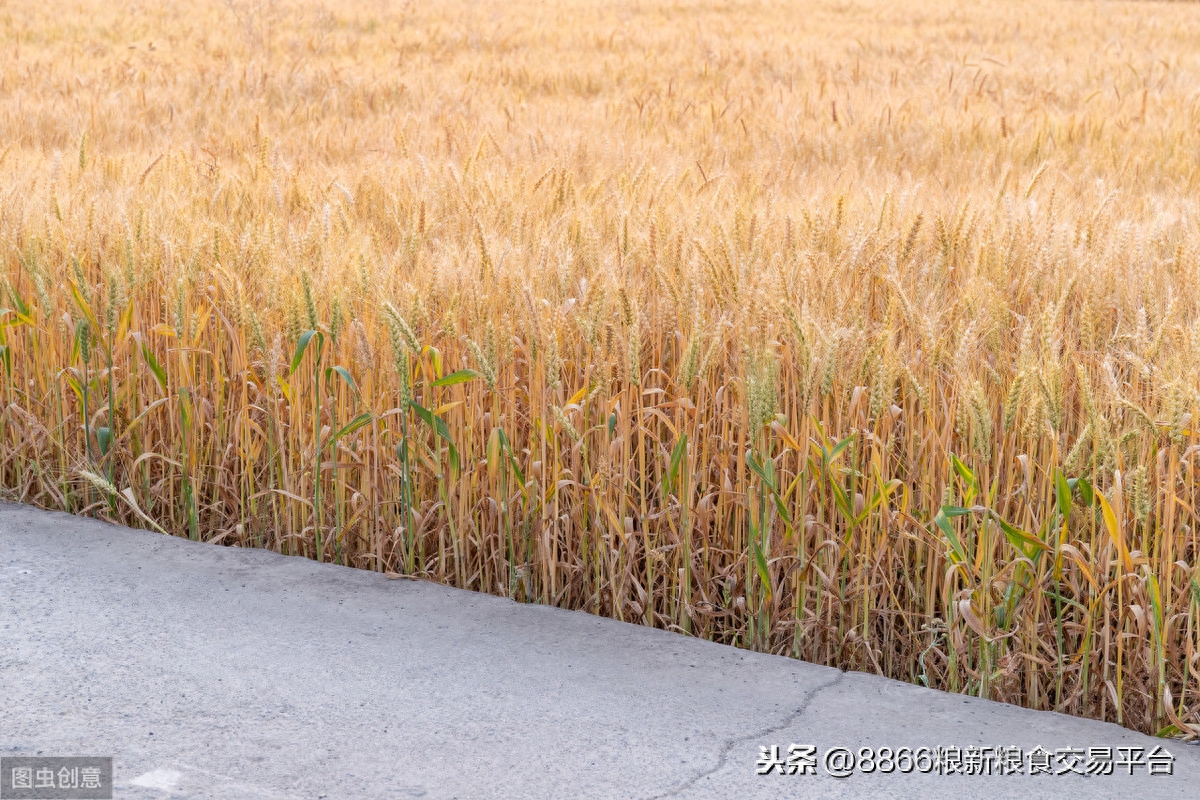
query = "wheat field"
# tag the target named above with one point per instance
(865, 332)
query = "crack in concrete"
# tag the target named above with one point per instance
(729, 744)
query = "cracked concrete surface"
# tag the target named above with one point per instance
(768, 735)
(217, 672)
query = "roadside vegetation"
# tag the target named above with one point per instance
(866, 333)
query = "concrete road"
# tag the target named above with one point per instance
(217, 672)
